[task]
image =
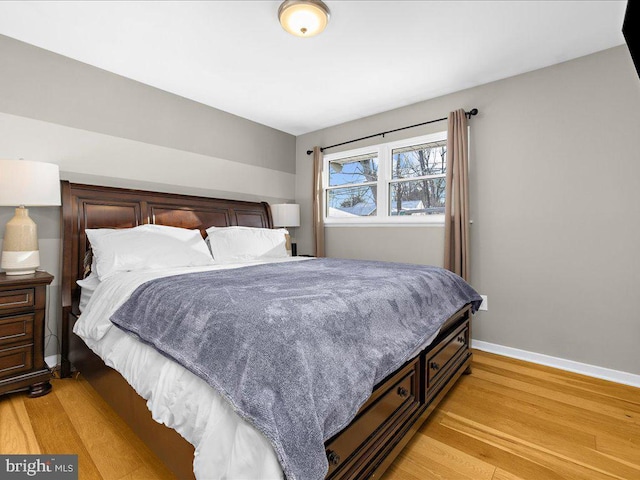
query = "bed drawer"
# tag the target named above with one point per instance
(16, 299)
(15, 360)
(16, 329)
(392, 401)
(443, 359)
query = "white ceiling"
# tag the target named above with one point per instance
(373, 56)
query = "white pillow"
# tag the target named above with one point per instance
(193, 238)
(240, 244)
(87, 287)
(146, 247)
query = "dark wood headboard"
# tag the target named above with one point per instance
(88, 206)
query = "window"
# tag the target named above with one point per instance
(399, 182)
(352, 187)
(418, 179)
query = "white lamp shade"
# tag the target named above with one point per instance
(285, 215)
(27, 183)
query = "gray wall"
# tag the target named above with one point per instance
(554, 182)
(104, 129)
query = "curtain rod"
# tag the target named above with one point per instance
(469, 114)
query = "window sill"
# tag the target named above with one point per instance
(384, 224)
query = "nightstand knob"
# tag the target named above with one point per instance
(461, 340)
(434, 366)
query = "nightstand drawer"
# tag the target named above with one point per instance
(14, 360)
(18, 328)
(15, 299)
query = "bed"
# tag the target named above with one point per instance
(396, 408)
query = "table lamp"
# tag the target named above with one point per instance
(25, 183)
(286, 215)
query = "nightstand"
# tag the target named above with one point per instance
(23, 299)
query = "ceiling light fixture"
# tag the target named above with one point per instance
(303, 18)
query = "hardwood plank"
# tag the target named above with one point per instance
(150, 461)
(615, 409)
(517, 414)
(579, 463)
(56, 434)
(565, 414)
(432, 471)
(507, 415)
(504, 475)
(545, 409)
(517, 418)
(489, 452)
(108, 448)
(593, 385)
(16, 435)
(434, 459)
(622, 449)
(620, 441)
(145, 472)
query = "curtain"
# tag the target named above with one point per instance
(456, 232)
(318, 221)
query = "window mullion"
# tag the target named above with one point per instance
(409, 179)
(384, 175)
(350, 185)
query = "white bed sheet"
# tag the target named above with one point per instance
(226, 446)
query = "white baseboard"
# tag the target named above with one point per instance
(568, 365)
(52, 361)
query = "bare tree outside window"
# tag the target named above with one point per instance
(418, 180)
(357, 179)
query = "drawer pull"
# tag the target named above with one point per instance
(434, 366)
(403, 392)
(461, 340)
(333, 457)
(20, 302)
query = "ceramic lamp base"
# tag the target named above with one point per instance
(20, 263)
(20, 255)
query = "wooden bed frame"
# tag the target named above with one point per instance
(394, 412)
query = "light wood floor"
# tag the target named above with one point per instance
(513, 420)
(509, 420)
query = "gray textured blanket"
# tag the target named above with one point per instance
(296, 347)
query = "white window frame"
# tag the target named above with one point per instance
(385, 162)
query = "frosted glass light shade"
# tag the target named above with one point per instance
(25, 183)
(303, 18)
(285, 215)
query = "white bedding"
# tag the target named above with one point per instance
(226, 447)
